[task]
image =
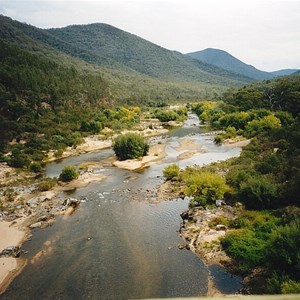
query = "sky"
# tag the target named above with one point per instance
(263, 33)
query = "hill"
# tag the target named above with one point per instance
(114, 51)
(284, 72)
(109, 44)
(228, 62)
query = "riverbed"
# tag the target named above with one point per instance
(120, 243)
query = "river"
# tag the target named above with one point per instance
(120, 244)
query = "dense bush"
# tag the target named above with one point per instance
(283, 254)
(36, 167)
(68, 173)
(171, 172)
(205, 187)
(129, 146)
(258, 193)
(245, 247)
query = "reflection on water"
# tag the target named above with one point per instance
(115, 247)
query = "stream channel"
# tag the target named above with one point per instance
(119, 243)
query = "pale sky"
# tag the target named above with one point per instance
(263, 33)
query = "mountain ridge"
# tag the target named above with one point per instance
(225, 60)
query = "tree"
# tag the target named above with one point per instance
(129, 146)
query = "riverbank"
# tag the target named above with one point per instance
(34, 210)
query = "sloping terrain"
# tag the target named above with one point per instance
(228, 62)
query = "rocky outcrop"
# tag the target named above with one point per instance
(202, 235)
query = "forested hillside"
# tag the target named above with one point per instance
(223, 59)
(134, 69)
(41, 96)
(105, 41)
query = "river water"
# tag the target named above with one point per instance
(120, 244)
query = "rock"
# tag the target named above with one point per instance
(221, 227)
(71, 202)
(184, 215)
(36, 225)
(183, 246)
(219, 202)
(42, 218)
(13, 251)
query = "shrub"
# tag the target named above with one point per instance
(284, 249)
(290, 287)
(245, 247)
(68, 173)
(47, 184)
(218, 139)
(258, 193)
(166, 116)
(129, 146)
(171, 172)
(35, 167)
(18, 159)
(206, 187)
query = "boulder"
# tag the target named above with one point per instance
(221, 227)
(71, 202)
(36, 225)
(13, 251)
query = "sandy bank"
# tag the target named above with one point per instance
(236, 142)
(12, 234)
(90, 144)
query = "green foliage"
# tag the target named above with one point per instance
(263, 125)
(46, 184)
(290, 287)
(129, 146)
(261, 222)
(245, 247)
(218, 139)
(68, 173)
(258, 192)
(166, 116)
(277, 94)
(171, 172)
(36, 167)
(18, 159)
(283, 254)
(205, 187)
(265, 176)
(93, 127)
